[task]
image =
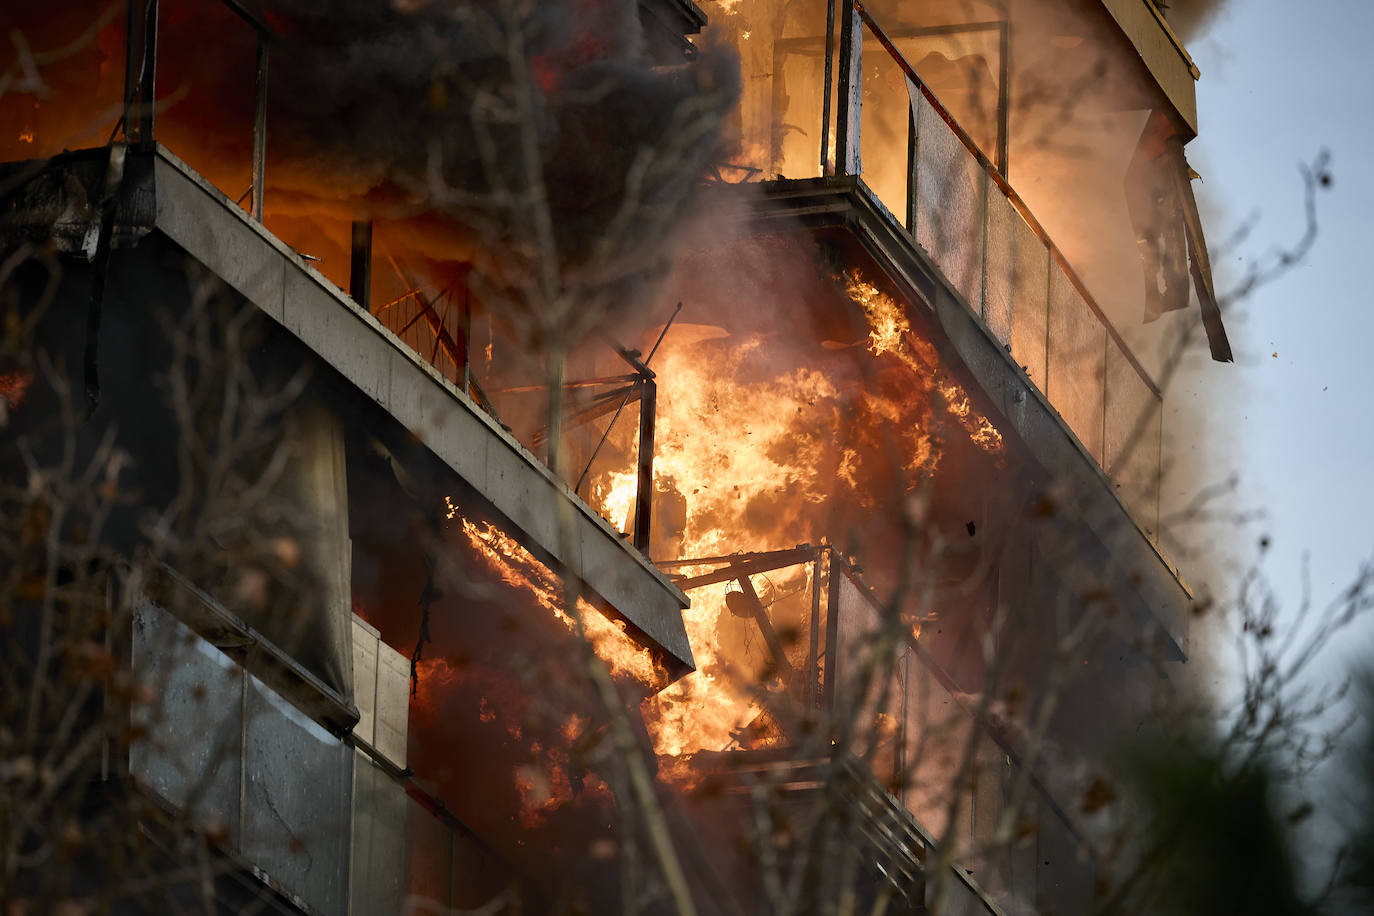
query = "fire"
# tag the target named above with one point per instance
(890, 332)
(615, 497)
(516, 566)
(730, 443)
(14, 385)
(26, 136)
(759, 446)
(551, 775)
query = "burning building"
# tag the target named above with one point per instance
(604, 456)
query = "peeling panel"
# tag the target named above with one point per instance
(1161, 52)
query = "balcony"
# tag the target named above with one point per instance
(328, 823)
(845, 106)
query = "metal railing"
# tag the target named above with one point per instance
(838, 676)
(954, 202)
(437, 324)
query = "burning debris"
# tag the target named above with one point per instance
(767, 443)
(514, 565)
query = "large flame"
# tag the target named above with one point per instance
(729, 445)
(759, 449)
(517, 567)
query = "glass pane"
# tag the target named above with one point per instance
(1000, 265)
(858, 624)
(1077, 352)
(937, 731)
(949, 201)
(1030, 290)
(870, 692)
(885, 127)
(478, 874)
(776, 128)
(1134, 424)
(208, 99)
(431, 858)
(1065, 882)
(797, 100)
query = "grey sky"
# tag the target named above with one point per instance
(1281, 80)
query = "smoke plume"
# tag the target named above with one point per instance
(1190, 17)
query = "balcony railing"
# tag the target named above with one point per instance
(877, 119)
(327, 820)
(880, 122)
(439, 321)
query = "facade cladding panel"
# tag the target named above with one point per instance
(1133, 431)
(1030, 300)
(192, 758)
(296, 800)
(225, 746)
(366, 640)
(950, 186)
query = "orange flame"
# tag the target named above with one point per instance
(14, 385)
(890, 332)
(516, 566)
(726, 442)
(745, 445)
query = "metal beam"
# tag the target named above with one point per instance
(813, 642)
(747, 565)
(829, 77)
(140, 72)
(832, 634)
(602, 404)
(849, 94)
(360, 268)
(260, 126)
(644, 494)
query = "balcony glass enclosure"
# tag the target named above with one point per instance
(842, 96)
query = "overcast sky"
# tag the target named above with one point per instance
(1280, 81)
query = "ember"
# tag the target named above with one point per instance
(13, 387)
